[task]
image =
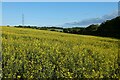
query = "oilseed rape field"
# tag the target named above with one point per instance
(37, 54)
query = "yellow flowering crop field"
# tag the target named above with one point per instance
(30, 53)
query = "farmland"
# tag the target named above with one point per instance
(31, 53)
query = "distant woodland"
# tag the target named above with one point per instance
(109, 28)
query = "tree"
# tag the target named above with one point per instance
(110, 28)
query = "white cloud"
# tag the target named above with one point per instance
(87, 22)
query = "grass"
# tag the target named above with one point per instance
(31, 53)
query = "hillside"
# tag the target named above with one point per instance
(110, 28)
(30, 53)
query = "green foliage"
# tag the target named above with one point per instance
(33, 54)
(110, 28)
(90, 30)
(41, 28)
(74, 30)
(92, 27)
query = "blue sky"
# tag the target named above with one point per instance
(57, 13)
(60, 0)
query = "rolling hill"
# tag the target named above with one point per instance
(30, 53)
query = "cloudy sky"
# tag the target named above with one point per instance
(66, 14)
(95, 20)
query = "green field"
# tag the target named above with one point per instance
(31, 53)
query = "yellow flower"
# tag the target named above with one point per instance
(18, 76)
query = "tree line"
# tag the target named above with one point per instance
(109, 28)
(41, 28)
